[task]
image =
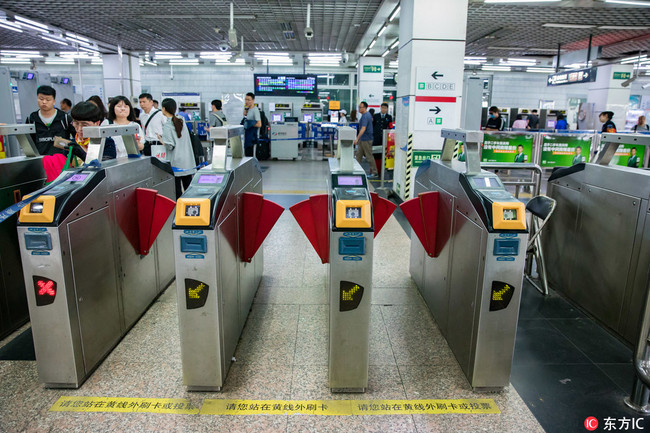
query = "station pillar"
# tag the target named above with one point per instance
(371, 82)
(121, 75)
(430, 86)
(608, 94)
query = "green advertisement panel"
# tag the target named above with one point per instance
(502, 147)
(565, 150)
(419, 156)
(627, 157)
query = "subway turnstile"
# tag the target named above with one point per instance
(221, 221)
(467, 258)
(96, 251)
(598, 241)
(341, 226)
(19, 176)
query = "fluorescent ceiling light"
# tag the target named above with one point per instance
(394, 14)
(518, 60)
(382, 30)
(6, 25)
(541, 50)
(14, 61)
(385, 53)
(623, 27)
(521, 1)
(168, 53)
(169, 57)
(576, 66)
(496, 68)
(372, 44)
(393, 64)
(56, 41)
(184, 61)
(97, 61)
(89, 49)
(77, 37)
(238, 61)
(629, 2)
(365, 52)
(198, 17)
(330, 65)
(569, 26)
(22, 54)
(59, 61)
(541, 70)
(270, 54)
(38, 29)
(30, 22)
(394, 44)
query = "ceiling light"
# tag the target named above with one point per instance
(541, 70)
(199, 17)
(541, 50)
(385, 53)
(89, 49)
(394, 44)
(59, 61)
(382, 30)
(365, 52)
(394, 14)
(372, 44)
(22, 54)
(186, 62)
(496, 68)
(324, 64)
(98, 61)
(629, 2)
(77, 37)
(38, 29)
(238, 61)
(521, 1)
(8, 26)
(30, 22)
(270, 54)
(623, 27)
(167, 53)
(575, 66)
(56, 41)
(635, 59)
(569, 26)
(14, 61)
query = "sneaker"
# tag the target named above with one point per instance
(372, 176)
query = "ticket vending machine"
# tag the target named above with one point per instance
(96, 249)
(19, 176)
(341, 226)
(280, 111)
(467, 258)
(220, 223)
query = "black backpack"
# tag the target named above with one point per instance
(197, 148)
(262, 150)
(264, 129)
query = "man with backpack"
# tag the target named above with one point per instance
(49, 122)
(217, 116)
(152, 122)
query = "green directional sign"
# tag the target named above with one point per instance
(373, 69)
(622, 75)
(419, 156)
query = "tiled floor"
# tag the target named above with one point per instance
(565, 366)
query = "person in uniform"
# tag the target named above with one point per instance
(521, 156)
(633, 160)
(606, 118)
(578, 158)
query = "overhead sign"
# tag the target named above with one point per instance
(622, 75)
(437, 93)
(435, 112)
(572, 77)
(373, 69)
(436, 81)
(335, 105)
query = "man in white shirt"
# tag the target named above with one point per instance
(152, 121)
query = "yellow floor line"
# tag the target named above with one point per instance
(275, 407)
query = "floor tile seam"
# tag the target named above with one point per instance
(572, 343)
(381, 311)
(627, 391)
(295, 351)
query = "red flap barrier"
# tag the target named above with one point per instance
(422, 213)
(313, 217)
(259, 217)
(153, 212)
(382, 209)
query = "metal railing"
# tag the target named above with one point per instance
(535, 180)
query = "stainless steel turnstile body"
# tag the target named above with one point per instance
(19, 176)
(349, 273)
(86, 283)
(473, 286)
(215, 287)
(597, 245)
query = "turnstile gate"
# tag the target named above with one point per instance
(220, 223)
(341, 225)
(85, 251)
(19, 176)
(468, 258)
(598, 241)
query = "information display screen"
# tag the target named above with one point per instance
(285, 85)
(36, 208)
(78, 177)
(353, 212)
(509, 214)
(350, 181)
(211, 178)
(485, 182)
(193, 210)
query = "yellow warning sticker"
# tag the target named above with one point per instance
(118, 404)
(347, 407)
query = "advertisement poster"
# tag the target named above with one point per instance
(390, 149)
(565, 150)
(507, 147)
(629, 156)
